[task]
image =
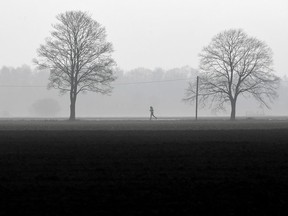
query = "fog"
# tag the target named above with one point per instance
(147, 33)
(24, 93)
(156, 47)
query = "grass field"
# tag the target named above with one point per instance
(140, 167)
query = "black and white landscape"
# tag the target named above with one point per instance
(143, 107)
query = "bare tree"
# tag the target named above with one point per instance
(78, 57)
(234, 64)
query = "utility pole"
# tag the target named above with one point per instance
(197, 84)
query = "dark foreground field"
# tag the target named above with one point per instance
(144, 168)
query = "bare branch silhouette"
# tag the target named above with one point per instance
(78, 57)
(234, 64)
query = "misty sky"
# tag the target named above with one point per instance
(147, 33)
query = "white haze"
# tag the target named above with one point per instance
(146, 35)
(134, 92)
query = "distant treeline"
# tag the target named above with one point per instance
(158, 74)
(24, 93)
(24, 89)
(25, 76)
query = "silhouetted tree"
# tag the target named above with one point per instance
(235, 64)
(78, 57)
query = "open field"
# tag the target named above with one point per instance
(143, 124)
(140, 167)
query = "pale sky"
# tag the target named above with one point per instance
(147, 33)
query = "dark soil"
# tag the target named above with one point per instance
(144, 172)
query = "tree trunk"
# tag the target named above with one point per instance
(233, 110)
(72, 109)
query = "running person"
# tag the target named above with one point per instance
(152, 113)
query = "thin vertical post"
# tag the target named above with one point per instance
(197, 84)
